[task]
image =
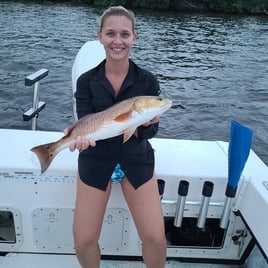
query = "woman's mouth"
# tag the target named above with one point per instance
(117, 49)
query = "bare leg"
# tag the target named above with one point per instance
(145, 206)
(88, 217)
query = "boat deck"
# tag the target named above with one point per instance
(255, 260)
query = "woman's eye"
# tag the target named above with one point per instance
(110, 33)
(125, 35)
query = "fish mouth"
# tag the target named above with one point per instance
(166, 104)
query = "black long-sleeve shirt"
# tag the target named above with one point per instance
(94, 94)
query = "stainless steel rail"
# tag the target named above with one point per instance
(38, 106)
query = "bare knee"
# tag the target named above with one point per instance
(154, 251)
(156, 240)
(84, 241)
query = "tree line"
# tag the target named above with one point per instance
(222, 6)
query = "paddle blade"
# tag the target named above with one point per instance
(238, 152)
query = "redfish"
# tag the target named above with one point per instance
(121, 118)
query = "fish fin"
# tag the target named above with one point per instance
(128, 133)
(45, 153)
(123, 117)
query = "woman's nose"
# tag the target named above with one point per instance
(117, 38)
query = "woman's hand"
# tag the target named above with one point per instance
(80, 143)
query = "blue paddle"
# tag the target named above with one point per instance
(238, 152)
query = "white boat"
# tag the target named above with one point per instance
(36, 209)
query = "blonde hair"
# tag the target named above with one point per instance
(117, 11)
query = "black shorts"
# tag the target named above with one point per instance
(96, 169)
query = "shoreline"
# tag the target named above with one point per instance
(235, 7)
(246, 7)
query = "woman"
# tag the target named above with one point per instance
(113, 80)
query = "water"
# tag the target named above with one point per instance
(213, 67)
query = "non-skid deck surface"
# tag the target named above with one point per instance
(170, 264)
(255, 260)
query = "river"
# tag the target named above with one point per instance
(213, 67)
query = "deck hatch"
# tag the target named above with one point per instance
(10, 229)
(7, 227)
(52, 228)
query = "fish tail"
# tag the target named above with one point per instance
(45, 154)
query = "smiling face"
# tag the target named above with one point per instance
(117, 37)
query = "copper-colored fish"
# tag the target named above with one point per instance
(121, 118)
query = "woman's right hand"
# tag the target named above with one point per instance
(80, 143)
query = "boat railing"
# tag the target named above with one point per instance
(38, 106)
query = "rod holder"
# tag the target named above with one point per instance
(161, 188)
(38, 106)
(182, 193)
(230, 194)
(207, 193)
